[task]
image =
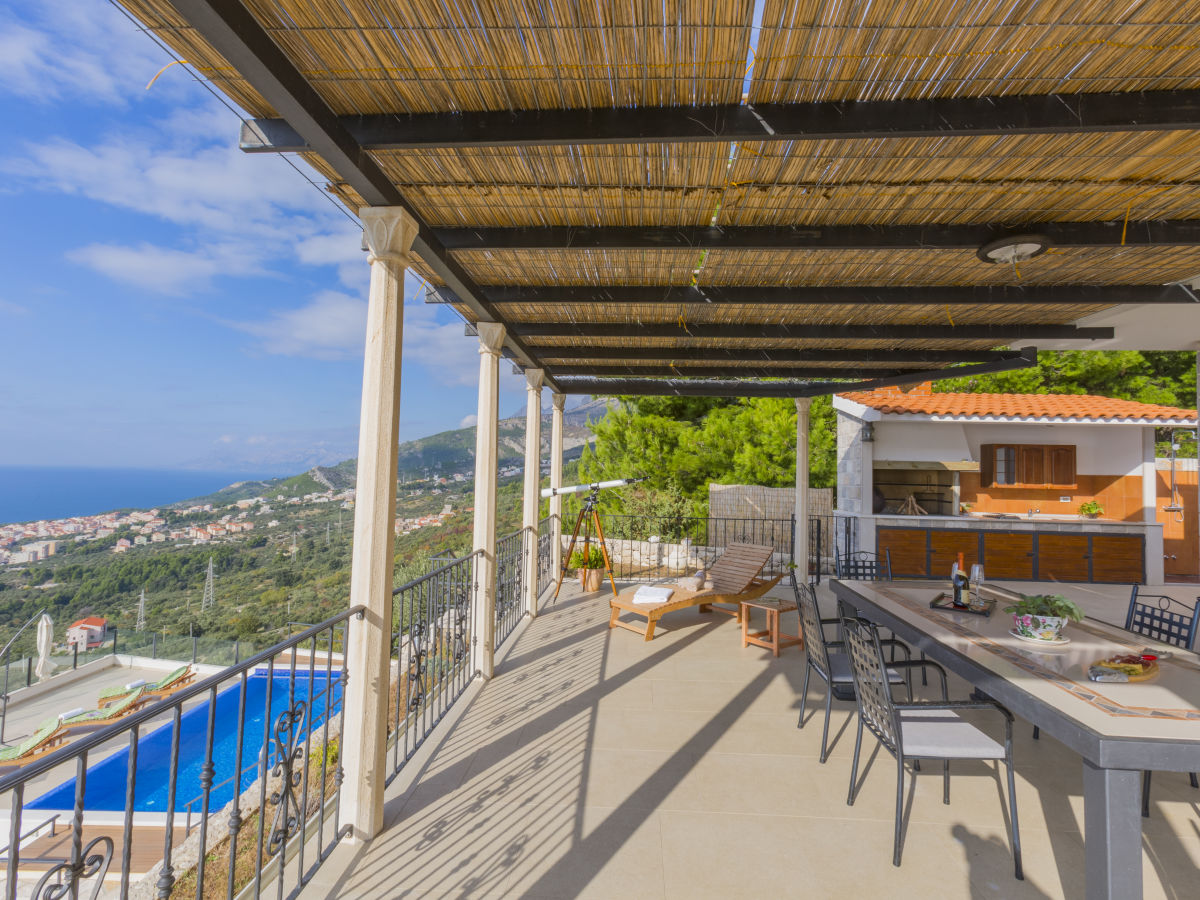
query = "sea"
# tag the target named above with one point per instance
(29, 493)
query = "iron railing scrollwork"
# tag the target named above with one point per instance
(510, 583)
(545, 555)
(431, 652)
(282, 707)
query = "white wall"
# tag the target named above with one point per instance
(922, 442)
(1100, 449)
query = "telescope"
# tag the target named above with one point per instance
(587, 488)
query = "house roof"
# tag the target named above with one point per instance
(921, 401)
(90, 622)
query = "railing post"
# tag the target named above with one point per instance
(389, 232)
(491, 340)
(154, 645)
(194, 639)
(114, 641)
(28, 671)
(237, 658)
(533, 481)
(75, 655)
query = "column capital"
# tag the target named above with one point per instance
(534, 379)
(389, 233)
(803, 404)
(559, 401)
(491, 337)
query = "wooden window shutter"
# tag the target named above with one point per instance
(1031, 465)
(987, 465)
(1062, 465)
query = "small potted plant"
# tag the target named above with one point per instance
(1042, 617)
(1091, 509)
(590, 566)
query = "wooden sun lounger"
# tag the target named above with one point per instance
(735, 577)
(157, 690)
(41, 743)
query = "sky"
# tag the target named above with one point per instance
(167, 301)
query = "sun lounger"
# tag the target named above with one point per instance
(99, 717)
(168, 685)
(735, 577)
(42, 742)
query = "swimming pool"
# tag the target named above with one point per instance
(106, 780)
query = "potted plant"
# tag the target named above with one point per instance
(590, 565)
(1091, 509)
(1042, 617)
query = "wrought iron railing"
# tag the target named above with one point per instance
(281, 708)
(647, 548)
(431, 652)
(545, 554)
(510, 583)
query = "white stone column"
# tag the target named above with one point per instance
(389, 233)
(558, 404)
(533, 481)
(491, 340)
(1149, 477)
(802, 420)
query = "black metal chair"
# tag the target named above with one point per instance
(1163, 619)
(916, 731)
(862, 565)
(829, 661)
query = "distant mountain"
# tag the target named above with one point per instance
(439, 454)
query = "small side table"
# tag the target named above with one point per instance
(771, 638)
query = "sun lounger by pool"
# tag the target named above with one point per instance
(735, 577)
(98, 717)
(42, 742)
(154, 691)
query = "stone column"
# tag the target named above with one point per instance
(802, 411)
(533, 481)
(389, 234)
(558, 403)
(491, 339)
(1149, 477)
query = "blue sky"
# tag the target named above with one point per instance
(167, 301)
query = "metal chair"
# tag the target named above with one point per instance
(862, 565)
(1164, 619)
(832, 667)
(916, 731)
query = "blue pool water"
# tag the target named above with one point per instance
(106, 780)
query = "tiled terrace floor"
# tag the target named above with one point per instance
(597, 765)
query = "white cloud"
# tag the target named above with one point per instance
(331, 326)
(8, 308)
(468, 421)
(163, 269)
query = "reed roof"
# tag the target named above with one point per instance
(401, 57)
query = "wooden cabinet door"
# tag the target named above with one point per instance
(1118, 558)
(944, 547)
(1007, 555)
(907, 548)
(1062, 557)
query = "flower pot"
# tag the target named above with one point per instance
(589, 579)
(1040, 628)
(1094, 515)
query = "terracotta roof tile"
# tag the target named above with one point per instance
(922, 402)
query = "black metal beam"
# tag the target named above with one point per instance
(1000, 333)
(726, 371)
(234, 32)
(1158, 233)
(839, 295)
(788, 355)
(925, 117)
(700, 387)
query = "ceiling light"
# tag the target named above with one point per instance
(1014, 249)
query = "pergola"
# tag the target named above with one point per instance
(718, 197)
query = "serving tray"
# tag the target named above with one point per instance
(945, 602)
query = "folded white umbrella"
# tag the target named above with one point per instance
(45, 642)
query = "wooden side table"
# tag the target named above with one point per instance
(771, 638)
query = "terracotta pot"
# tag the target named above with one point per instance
(590, 579)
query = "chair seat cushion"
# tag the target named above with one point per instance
(839, 671)
(943, 734)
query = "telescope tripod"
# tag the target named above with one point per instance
(587, 517)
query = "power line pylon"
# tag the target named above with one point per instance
(141, 619)
(209, 599)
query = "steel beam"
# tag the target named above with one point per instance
(234, 32)
(726, 371)
(702, 387)
(1158, 233)
(827, 120)
(838, 295)
(789, 355)
(1000, 333)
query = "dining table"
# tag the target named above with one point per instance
(1119, 729)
